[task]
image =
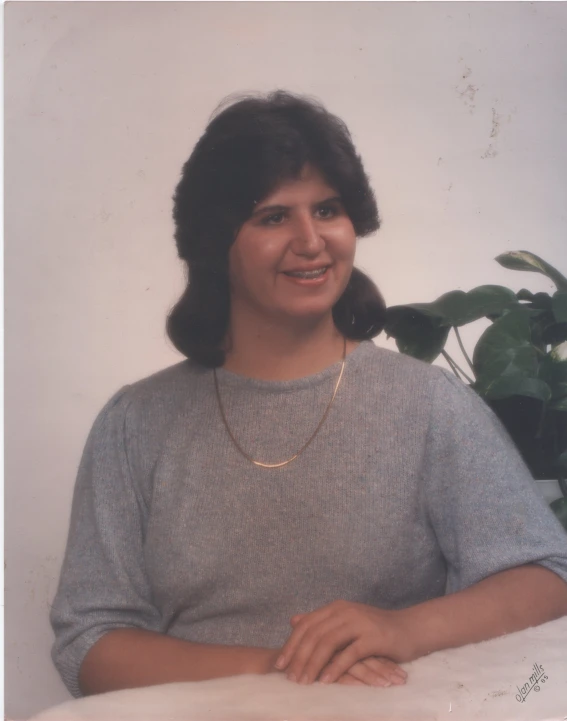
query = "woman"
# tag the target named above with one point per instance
(291, 496)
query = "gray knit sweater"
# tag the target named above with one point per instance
(410, 490)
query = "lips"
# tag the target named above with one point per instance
(307, 274)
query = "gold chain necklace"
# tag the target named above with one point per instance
(304, 446)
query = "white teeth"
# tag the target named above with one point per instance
(308, 274)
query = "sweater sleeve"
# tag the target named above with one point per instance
(480, 496)
(103, 584)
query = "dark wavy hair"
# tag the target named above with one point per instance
(246, 151)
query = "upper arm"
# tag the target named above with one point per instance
(480, 496)
(103, 582)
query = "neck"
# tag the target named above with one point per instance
(270, 351)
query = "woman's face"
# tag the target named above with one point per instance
(293, 257)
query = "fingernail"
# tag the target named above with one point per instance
(280, 663)
(326, 678)
(304, 679)
(291, 677)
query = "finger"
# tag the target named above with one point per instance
(370, 677)
(309, 621)
(387, 667)
(385, 662)
(372, 673)
(348, 679)
(318, 646)
(321, 639)
(300, 627)
(343, 661)
(375, 671)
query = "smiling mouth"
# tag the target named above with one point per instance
(307, 274)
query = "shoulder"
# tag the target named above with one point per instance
(172, 382)
(403, 383)
(378, 357)
(137, 418)
(158, 395)
(387, 368)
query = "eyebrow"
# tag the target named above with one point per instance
(281, 208)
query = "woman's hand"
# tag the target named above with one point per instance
(328, 642)
(374, 671)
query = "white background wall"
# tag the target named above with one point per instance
(459, 110)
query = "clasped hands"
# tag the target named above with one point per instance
(348, 643)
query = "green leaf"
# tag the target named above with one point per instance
(416, 334)
(524, 294)
(541, 301)
(559, 306)
(524, 260)
(516, 384)
(478, 303)
(541, 323)
(458, 308)
(506, 346)
(559, 507)
(506, 362)
(554, 333)
(552, 370)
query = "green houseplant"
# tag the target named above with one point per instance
(519, 363)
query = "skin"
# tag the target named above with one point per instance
(280, 329)
(135, 658)
(329, 640)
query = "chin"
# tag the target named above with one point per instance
(313, 307)
(310, 313)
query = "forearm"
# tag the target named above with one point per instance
(502, 603)
(130, 658)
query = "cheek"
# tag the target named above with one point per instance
(237, 271)
(345, 245)
(249, 264)
(351, 248)
(258, 256)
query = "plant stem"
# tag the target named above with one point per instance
(462, 347)
(455, 367)
(451, 363)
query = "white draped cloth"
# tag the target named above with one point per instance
(518, 677)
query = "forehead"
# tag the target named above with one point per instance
(311, 184)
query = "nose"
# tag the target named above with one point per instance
(307, 239)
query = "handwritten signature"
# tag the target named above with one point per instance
(533, 683)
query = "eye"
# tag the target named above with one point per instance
(328, 211)
(273, 219)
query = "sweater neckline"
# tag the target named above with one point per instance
(232, 379)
